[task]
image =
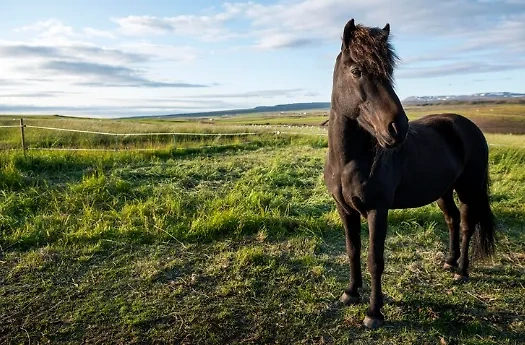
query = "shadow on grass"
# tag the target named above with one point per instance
(223, 293)
(455, 321)
(70, 167)
(423, 314)
(506, 221)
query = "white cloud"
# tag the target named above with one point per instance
(19, 51)
(91, 32)
(289, 93)
(210, 27)
(295, 23)
(56, 52)
(162, 51)
(50, 28)
(457, 68)
(142, 25)
(458, 36)
(204, 27)
(282, 40)
(507, 34)
(326, 18)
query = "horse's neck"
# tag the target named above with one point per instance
(347, 140)
(352, 146)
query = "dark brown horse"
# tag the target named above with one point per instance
(377, 160)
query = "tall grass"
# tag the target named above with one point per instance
(70, 197)
(193, 194)
(47, 138)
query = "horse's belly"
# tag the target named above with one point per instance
(417, 199)
(419, 190)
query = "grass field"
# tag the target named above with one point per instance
(46, 138)
(237, 243)
(492, 118)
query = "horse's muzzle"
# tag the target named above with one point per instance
(398, 129)
(397, 132)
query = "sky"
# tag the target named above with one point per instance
(126, 58)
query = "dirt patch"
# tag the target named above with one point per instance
(489, 124)
(500, 124)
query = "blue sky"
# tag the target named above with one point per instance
(115, 58)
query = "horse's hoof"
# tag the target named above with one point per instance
(458, 278)
(373, 323)
(449, 267)
(347, 299)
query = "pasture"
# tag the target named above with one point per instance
(205, 240)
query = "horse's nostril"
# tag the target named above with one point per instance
(392, 129)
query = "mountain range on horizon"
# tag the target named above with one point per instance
(488, 96)
(474, 96)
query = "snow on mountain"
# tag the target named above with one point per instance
(483, 95)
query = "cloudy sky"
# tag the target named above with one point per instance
(130, 57)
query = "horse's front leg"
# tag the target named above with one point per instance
(377, 225)
(352, 225)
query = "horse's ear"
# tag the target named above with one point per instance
(386, 29)
(347, 33)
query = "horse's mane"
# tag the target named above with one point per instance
(370, 48)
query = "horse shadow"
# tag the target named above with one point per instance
(38, 169)
(452, 319)
(423, 316)
(432, 218)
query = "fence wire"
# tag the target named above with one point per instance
(141, 133)
(24, 126)
(282, 129)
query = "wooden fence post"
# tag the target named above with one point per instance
(23, 136)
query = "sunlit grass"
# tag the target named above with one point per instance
(469, 110)
(230, 246)
(10, 138)
(511, 140)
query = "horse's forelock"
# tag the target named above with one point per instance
(370, 48)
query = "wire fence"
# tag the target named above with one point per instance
(141, 133)
(24, 129)
(262, 129)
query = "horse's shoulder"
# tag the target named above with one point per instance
(438, 118)
(444, 124)
(445, 130)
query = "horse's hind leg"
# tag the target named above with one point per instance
(468, 225)
(475, 210)
(452, 217)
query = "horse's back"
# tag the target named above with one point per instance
(459, 132)
(476, 154)
(440, 150)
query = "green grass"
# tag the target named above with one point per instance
(469, 110)
(313, 118)
(10, 138)
(492, 118)
(234, 244)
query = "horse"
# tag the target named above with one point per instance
(378, 160)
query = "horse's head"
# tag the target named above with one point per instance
(363, 84)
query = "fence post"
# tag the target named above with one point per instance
(23, 135)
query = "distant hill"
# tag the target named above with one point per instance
(260, 109)
(488, 97)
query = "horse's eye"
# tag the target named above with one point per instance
(356, 72)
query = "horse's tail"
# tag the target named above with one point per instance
(484, 240)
